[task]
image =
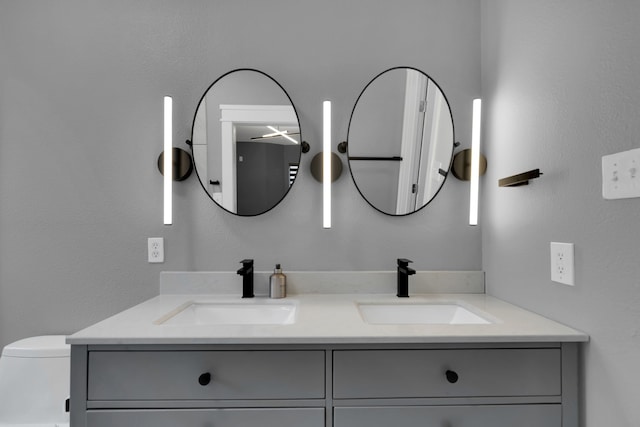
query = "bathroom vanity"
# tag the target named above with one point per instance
(169, 362)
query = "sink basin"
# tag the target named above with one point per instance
(231, 313)
(419, 314)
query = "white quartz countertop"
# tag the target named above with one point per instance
(326, 319)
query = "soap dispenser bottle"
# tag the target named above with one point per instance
(277, 283)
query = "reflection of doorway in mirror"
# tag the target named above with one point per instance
(200, 149)
(241, 118)
(426, 122)
(261, 178)
(437, 132)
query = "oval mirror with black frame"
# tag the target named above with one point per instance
(400, 141)
(246, 142)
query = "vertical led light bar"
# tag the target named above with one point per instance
(475, 162)
(168, 160)
(326, 164)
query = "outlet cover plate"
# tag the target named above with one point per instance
(155, 249)
(562, 263)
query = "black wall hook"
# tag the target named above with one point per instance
(520, 179)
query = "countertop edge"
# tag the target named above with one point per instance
(138, 325)
(332, 340)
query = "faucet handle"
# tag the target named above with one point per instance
(403, 262)
(247, 267)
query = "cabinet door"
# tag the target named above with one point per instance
(450, 416)
(276, 417)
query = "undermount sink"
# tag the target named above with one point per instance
(419, 314)
(231, 313)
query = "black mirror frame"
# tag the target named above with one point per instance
(303, 144)
(347, 145)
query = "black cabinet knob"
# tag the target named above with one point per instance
(452, 376)
(204, 379)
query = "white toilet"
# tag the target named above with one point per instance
(34, 382)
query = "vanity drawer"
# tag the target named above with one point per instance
(176, 375)
(458, 416)
(268, 417)
(432, 373)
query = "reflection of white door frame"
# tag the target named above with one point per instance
(430, 179)
(412, 127)
(232, 115)
(199, 143)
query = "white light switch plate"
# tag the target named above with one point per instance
(562, 263)
(621, 175)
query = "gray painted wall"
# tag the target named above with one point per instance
(81, 86)
(560, 82)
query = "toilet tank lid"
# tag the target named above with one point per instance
(43, 346)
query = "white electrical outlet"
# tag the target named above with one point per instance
(156, 249)
(562, 265)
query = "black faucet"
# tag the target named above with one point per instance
(403, 277)
(247, 278)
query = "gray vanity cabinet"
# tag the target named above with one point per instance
(325, 385)
(463, 387)
(197, 385)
